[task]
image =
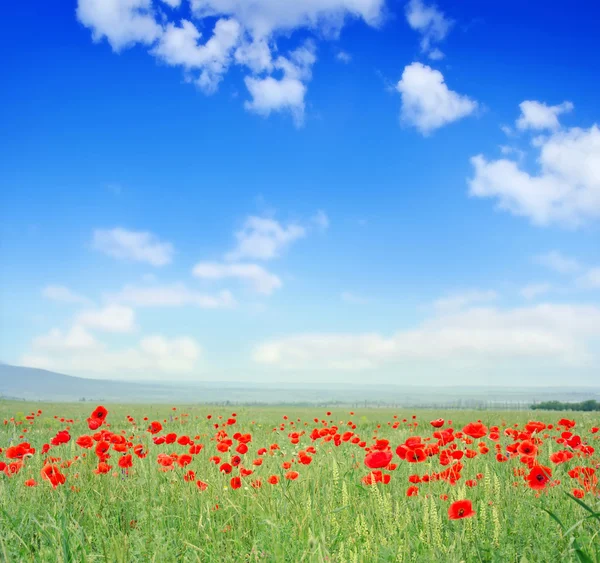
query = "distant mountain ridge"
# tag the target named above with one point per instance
(41, 385)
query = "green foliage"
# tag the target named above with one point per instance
(584, 406)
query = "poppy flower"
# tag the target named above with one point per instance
(202, 485)
(538, 477)
(52, 474)
(235, 482)
(412, 491)
(460, 509)
(438, 423)
(475, 430)
(99, 413)
(273, 480)
(378, 459)
(292, 475)
(155, 427)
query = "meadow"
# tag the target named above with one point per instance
(201, 483)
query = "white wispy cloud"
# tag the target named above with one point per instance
(534, 290)
(558, 262)
(431, 23)
(538, 115)
(138, 246)
(354, 298)
(590, 280)
(112, 318)
(462, 299)
(427, 102)
(63, 294)
(173, 295)
(565, 191)
(343, 57)
(260, 279)
(264, 239)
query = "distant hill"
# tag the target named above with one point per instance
(41, 385)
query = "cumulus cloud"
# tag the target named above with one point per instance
(178, 46)
(260, 279)
(174, 295)
(566, 189)
(431, 23)
(427, 102)
(264, 239)
(343, 57)
(78, 353)
(287, 93)
(63, 294)
(133, 245)
(244, 34)
(122, 22)
(538, 115)
(479, 336)
(112, 318)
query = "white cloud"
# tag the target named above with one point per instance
(77, 354)
(460, 300)
(427, 103)
(264, 239)
(133, 245)
(178, 45)
(286, 93)
(122, 22)
(264, 18)
(321, 220)
(174, 295)
(591, 279)
(246, 29)
(353, 298)
(76, 338)
(477, 337)
(566, 190)
(261, 280)
(538, 115)
(64, 294)
(343, 57)
(430, 23)
(533, 290)
(112, 318)
(558, 262)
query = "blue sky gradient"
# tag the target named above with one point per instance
(402, 268)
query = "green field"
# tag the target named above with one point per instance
(326, 514)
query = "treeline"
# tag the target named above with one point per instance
(586, 406)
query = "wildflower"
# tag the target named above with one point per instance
(460, 509)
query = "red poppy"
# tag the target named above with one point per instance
(155, 427)
(475, 430)
(460, 509)
(412, 491)
(538, 477)
(292, 475)
(52, 474)
(235, 482)
(273, 480)
(99, 413)
(378, 459)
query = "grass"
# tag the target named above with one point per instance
(327, 514)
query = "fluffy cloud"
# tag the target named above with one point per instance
(174, 295)
(430, 23)
(565, 191)
(286, 93)
(122, 22)
(427, 103)
(264, 239)
(260, 279)
(558, 262)
(178, 46)
(538, 115)
(133, 245)
(244, 33)
(343, 57)
(63, 294)
(78, 353)
(112, 318)
(477, 337)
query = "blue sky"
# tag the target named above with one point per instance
(335, 190)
